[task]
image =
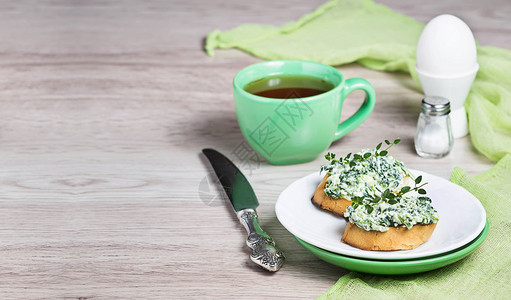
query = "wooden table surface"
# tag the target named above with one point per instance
(104, 109)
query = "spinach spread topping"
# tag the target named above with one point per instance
(393, 209)
(367, 173)
(408, 211)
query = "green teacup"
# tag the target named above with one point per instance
(287, 126)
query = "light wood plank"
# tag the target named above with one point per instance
(104, 108)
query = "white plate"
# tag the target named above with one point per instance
(462, 218)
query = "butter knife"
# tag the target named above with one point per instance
(244, 201)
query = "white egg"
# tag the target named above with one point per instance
(446, 47)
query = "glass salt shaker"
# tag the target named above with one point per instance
(434, 136)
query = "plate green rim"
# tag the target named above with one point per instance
(400, 267)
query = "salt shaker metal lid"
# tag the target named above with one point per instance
(436, 106)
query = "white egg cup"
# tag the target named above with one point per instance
(456, 89)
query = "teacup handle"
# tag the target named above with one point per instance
(363, 112)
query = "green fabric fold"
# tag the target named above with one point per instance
(346, 31)
(336, 33)
(489, 103)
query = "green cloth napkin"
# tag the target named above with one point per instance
(345, 31)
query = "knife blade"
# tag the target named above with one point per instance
(244, 201)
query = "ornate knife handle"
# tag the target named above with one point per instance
(264, 253)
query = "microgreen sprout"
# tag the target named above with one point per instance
(356, 158)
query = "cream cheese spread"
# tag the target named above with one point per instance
(367, 177)
(408, 211)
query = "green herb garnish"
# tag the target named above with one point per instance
(352, 161)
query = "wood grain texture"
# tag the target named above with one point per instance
(104, 108)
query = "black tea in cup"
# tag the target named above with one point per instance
(288, 86)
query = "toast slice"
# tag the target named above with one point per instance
(395, 238)
(323, 201)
